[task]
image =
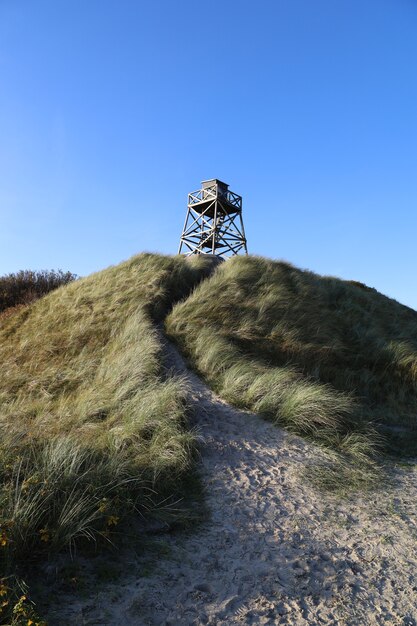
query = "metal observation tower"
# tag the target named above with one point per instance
(214, 222)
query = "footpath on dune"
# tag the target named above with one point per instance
(272, 550)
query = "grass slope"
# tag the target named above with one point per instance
(89, 420)
(92, 427)
(325, 357)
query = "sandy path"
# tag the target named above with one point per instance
(274, 550)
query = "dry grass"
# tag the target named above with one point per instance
(93, 429)
(91, 426)
(322, 356)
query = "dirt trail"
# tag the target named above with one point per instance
(274, 550)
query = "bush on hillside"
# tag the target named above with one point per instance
(25, 286)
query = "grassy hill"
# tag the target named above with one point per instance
(325, 357)
(93, 428)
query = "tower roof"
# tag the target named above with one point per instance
(214, 181)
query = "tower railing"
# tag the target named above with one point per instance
(211, 193)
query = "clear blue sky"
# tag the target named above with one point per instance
(112, 110)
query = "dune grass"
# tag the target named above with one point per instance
(92, 428)
(330, 359)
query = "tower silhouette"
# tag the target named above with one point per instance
(213, 224)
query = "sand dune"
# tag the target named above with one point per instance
(274, 550)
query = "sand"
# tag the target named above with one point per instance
(274, 549)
